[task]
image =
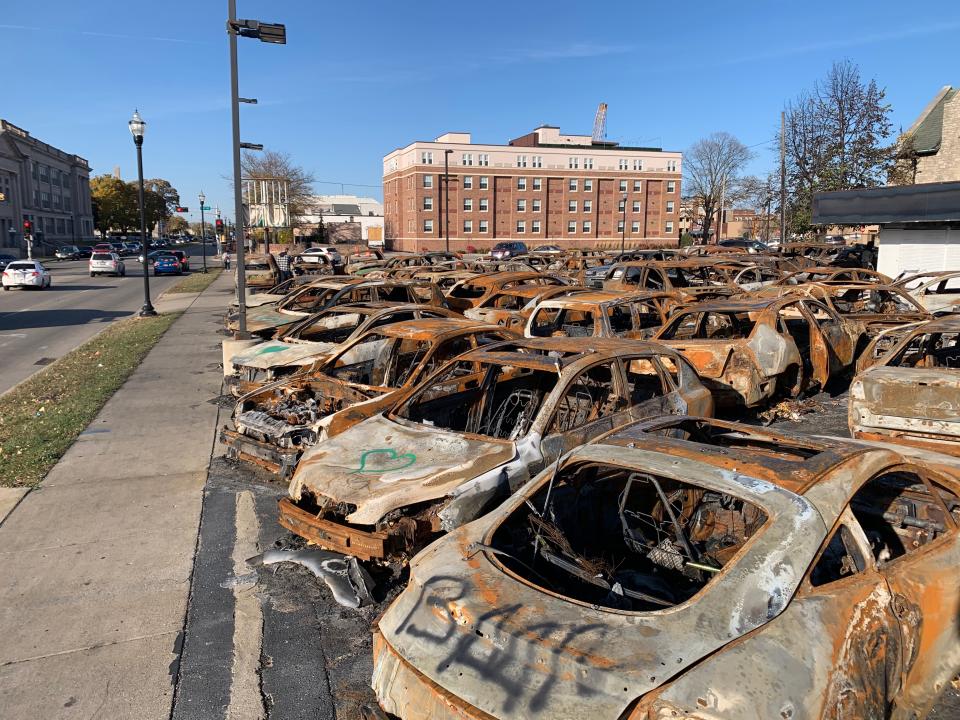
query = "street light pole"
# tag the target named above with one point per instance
(137, 127)
(238, 233)
(203, 231)
(623, 228)
(446, 196)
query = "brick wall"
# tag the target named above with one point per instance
(945, 165)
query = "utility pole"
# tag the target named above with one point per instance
(237, 189)
(723, 199)
(446, 202)
(783, 178)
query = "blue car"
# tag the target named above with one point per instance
(167, 265)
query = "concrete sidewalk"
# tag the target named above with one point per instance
(96, 562)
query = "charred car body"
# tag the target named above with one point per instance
(474, 432)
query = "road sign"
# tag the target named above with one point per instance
(206, 208)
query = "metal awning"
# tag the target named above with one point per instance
(927, 202)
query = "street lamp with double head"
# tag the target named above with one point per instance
(137, 128)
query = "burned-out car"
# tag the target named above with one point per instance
(599, 313)
(475, 431)
(696, 278)
(749, 351)
(833, 274)
(474, 291)
(264, 321)
(512, 306)
(688, 569)
(260, 272)
(274, 423)
(911, 394)
(309, 340)
(937, 292)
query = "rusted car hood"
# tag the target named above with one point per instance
(380, 465)
(923, 400)
(709, 357)
(258, 299)
(516, 651)
(267, 317)
(275, 353)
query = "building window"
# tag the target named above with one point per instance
(537, 161)
(573, 163)
(670, 206)
(483, 205)
(535, 226)
(635, 226)
(521, 160)
(484, 182)
(536, 204)
(428, 203)
(521, 205)
(623, 186)
(588, 185)
(428, 181)
(669, 226)
(636, 206)
(588, 163)
(637, 164)
(572, 226)
(428, 226)
(671, 165)
(671, 186)
(588, 205)
(468, 204)
(572, 185)
(623, 163)
(426, 158)
(636, 186)
(468, 226)
(536, 183)
(621, 206)
(586, 226)
(483, 226)
(467, 159)
(521, 227)
(620, 226)
(521, 183)
(468, 182)
(483, 159)
(572, 205)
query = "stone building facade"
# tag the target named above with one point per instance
(542, 188)
(45, 185)
(930, 148)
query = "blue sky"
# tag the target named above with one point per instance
(359, 79)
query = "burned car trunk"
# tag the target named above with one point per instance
(472, 433)
(667, 569)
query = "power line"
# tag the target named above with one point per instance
(347, 184)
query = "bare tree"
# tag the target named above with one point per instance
(906, 159)
(713, 166)
(834, 139)
(760, 194)
(275, 165)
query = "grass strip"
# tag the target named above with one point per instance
(196, 281)
(41, 417)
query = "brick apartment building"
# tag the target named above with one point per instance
(541, 188)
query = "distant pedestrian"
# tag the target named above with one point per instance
(226, 261)
(283, 264)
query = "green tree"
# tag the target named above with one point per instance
(115, 206)
(175, 224)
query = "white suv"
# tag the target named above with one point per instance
(332, 255)
(103, 263)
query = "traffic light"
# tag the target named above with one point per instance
(27, 227)
(219, 225)
(181, 208)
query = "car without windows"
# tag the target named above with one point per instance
(599, 313)
(511, 307)
(833, 274)
(911, 394)
(442, 277)
(265, 320)
(260, 272)
(477, 430)
(276, 422)
(937, 292)
(314, 337)
(594, 275)
(279, 291)
(399, 263)
(669, 569)
(696, 278)
(749, 351)
(474, 291)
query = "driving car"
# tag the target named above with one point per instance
(67, 252)
(84, 251)
(167, 264)
(183, 258)
(106, 263)
(6, 260)
(688, 569)
(104, 247)
(26, 274)
(475, 431)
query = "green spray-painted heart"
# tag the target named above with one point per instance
(272, 349)
(384, 460)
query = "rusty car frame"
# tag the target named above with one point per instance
(474, 291)
(512, 306)
(688, 569)
(601, 313)
(475, 431)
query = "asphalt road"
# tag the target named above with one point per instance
(39, 326)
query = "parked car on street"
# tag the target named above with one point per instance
(84, 252)
(670, 570)
(6, 260)
(106, 263)
(505, 250)
(67, 252)
(329, 252)
(26, 274)
(167, 264)
(104, 247)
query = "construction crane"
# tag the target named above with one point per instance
(600, 124)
